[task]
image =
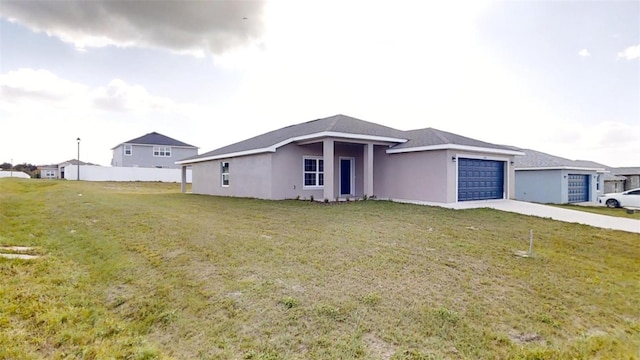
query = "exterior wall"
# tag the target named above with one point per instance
(47, 171)
(142, 156)
(632, 182)
(106, 173)
(550, 186)
(249, 176)
(613, 186)
(422, 176)
(287, 178)
(541, 186)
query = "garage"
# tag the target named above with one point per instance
(578, 188)
(480, 179)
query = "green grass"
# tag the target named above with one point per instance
(602, 210)
(140, 271)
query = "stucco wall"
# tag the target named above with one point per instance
(249, 176)
(613, 186)
(142, 156)
(542, 186)
(632, 182)
(411, 176)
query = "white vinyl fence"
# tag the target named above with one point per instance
(107, 173)
(18, 174)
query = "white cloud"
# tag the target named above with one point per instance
(584, 53)
(53, 111)
(195, 27)
(630, 53)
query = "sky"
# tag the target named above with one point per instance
(561, 77)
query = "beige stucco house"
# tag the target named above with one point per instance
(340, 156)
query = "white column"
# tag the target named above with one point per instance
(183, 186)
(368, 170)
(327, 154)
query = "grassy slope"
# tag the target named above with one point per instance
(141, 271)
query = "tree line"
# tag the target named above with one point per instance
(30, 169)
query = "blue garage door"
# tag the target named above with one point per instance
(480, 179)
(578, 188)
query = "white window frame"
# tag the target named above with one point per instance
(224, 174)
(162, 151)
(128, 150)
(317, 172)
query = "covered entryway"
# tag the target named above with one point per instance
(480, 179)
(578, 188)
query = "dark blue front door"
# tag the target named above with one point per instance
(578, 190)
(480, 179)
(345, 176)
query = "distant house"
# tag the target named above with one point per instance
(611, 183)
(56, 171)
(546, 178)
(631, 176)
(340, 157)
(152, 150)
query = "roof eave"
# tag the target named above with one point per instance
(560, 168)
(456, 147)
(274, 147)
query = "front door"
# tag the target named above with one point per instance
(346, 176)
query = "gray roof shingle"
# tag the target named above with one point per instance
(632, 170)
(538, 159)
(155, 138)
(349, 125)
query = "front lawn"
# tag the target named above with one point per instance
(141, 271)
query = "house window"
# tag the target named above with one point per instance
(313, 172)
(49, 174)
(162, 151)
(128, 150)
(224, 173)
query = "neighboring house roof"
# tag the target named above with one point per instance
(609, 171)
(342, 126)
(155, 138)
(536, 160)
(628, 171)
(65, 163)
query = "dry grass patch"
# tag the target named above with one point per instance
(142, 271)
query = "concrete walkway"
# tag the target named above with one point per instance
(545, 211)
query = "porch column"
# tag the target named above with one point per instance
(183, 186)
(327, 155)
(368, 170)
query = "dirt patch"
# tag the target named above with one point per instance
(378, 348)
(524, 338)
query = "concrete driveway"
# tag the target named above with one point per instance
(555, 213)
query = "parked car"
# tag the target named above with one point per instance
(629, 198)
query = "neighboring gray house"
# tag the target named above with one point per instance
(546, 178)
(631, 176)
(612, 183)
(152, 150)
(341, 157)
(56, 171)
